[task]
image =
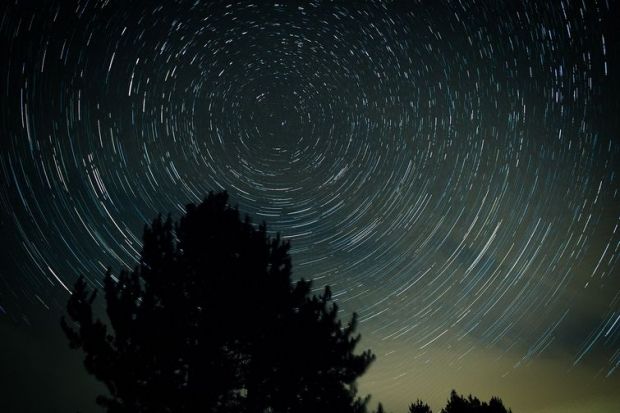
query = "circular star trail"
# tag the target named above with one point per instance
(450, 169)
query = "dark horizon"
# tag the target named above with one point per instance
(450, 169)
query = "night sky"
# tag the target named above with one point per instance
(450, 168)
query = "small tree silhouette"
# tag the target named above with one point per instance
(419, 407)
(210, 321)
(497, 406)
(471, 404)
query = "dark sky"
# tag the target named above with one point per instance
(449, 168)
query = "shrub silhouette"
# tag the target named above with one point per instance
(461, 404)
(471, 404)
(419, 407)
(210, 321)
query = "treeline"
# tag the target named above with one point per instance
(458, 404)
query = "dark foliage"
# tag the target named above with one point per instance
(461, 404)
(419, 407)
(210, 321)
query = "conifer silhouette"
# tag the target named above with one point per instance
(460, 404)
(210, 321)
(419, 407)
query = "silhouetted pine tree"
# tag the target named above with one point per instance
(210, 321)
(471, 404)
(497, 406)
(419, 407)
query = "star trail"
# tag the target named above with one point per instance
(449, 168)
